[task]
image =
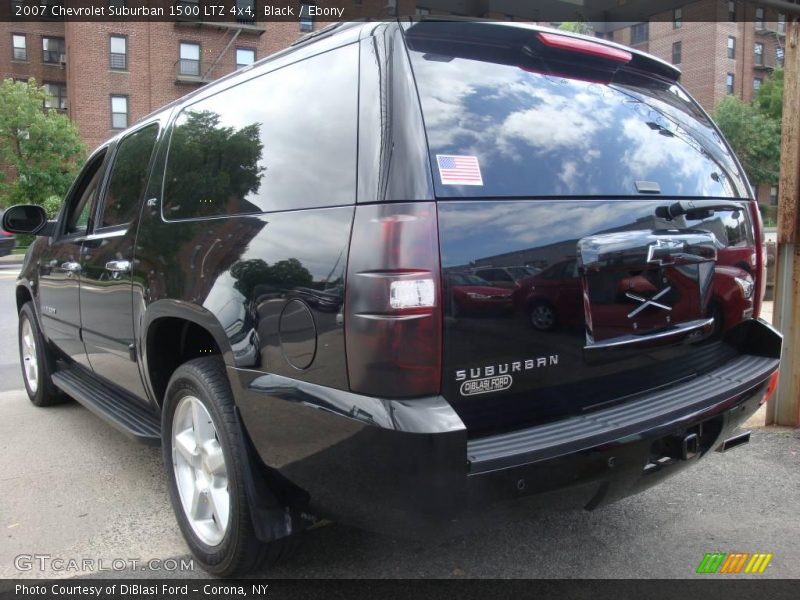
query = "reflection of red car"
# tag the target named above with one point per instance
(473, 295)
(555, 296)
(741, 257)
(732, 300)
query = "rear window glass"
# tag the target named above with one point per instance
(533, 127)
(284, 140)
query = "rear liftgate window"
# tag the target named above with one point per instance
(284, 140)
(507, 115)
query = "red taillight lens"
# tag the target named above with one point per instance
(760, 271)
(771, 387)
(393, 323)
(581, 46)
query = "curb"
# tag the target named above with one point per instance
(12, 259)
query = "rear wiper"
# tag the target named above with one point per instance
(692, 211)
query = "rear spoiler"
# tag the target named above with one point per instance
(508, 33)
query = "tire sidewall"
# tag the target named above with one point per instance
(26, 314)
(214, 558)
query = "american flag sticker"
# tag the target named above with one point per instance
(459, 170)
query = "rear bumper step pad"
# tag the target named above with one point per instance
(605, 426)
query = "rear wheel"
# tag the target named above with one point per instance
(36, 361)
(205, 459)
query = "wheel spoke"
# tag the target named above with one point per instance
(201, 423)
(215, 461)
(199, 508)
(218, 499)
(186, 446)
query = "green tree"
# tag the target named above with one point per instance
(769, 99)
(755, 137)
(40, 149)
(577, 27)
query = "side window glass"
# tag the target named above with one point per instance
(80, 204)
(128, 177)
(283, 140)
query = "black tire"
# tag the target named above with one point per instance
(240, 551)
(45, 394)
(542, 316)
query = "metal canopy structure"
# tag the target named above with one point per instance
(595, 11)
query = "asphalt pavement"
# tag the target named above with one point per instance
(74, 488)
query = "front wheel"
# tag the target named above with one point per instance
(205, 458)
(36, 361)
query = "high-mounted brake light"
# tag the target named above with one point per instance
(393, 322)
(571, 44)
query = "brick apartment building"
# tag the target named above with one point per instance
(107, 75)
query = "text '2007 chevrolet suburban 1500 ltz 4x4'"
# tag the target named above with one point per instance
(403, 271)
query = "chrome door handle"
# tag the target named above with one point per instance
(118, 266)
(71, 267)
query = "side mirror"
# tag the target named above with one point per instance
(25, 218)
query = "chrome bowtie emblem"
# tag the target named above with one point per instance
(645, 302)
(660, 251)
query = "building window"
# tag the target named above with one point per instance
(757, 84)
(118, 48)
(773, 195)
(119, 112)
(731, 10)
(306, 20)
(189, 63)
(677, 18)
(20, 45)
(245, 11)
(639, 33)
(758, 54)
(53, 51)
(676, 53)
(55, 96)
(729, 83)
(731, 47)
(779, 56)
(781, 24)
(759, 19)
(422, 11)
(244, 57)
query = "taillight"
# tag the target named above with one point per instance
(760, 271)
(771, 387)
(393, 322)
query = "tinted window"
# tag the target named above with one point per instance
(82, 200)
(537, 127)
(128, 177)
(284, 140)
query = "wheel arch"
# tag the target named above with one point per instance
(172, 333)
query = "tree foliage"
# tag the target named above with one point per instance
(577, 27)
(40, 150)
(755, 137)
(213, 168)
(769, 99)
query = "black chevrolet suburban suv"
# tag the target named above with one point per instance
(264, 278)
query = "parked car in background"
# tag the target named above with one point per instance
(472, 295)
(8, 241)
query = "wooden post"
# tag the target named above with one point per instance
(784, 407)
